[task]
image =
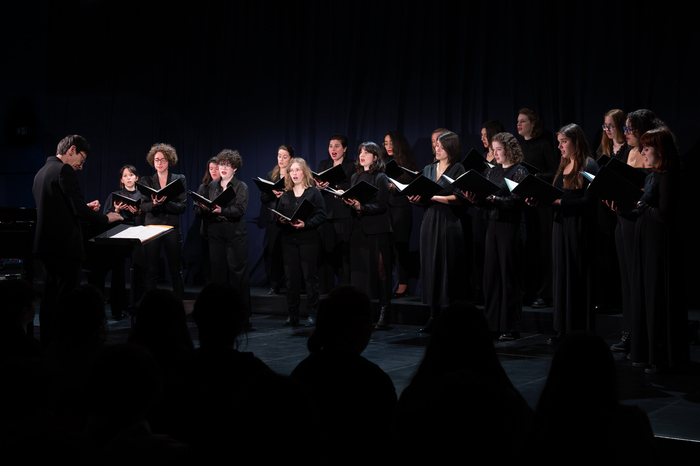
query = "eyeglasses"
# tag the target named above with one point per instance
(163, 160)
(608, 127)
(628, 130)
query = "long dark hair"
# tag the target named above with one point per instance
(402, 150)
(373, 149)
(574, 180)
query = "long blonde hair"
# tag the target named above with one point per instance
(307, 182)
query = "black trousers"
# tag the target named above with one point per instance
(228, 253)
(301, 256)
(172, 242)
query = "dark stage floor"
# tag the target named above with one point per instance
(672, 401)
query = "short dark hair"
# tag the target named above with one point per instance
(339, 137)
(79, 142)
(373, 149)
(452, 145)
(232, 157)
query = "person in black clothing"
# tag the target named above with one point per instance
(300, 240)
(370, 241)
(400, 209)
(164, 211)
(273, 247)
(226, 227)
(335, 231)
(572, 240)
(502, 265)
(538, 152)
(212, 174)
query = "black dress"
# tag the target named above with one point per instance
(300, 249)
(401, 214)
(659, 312)
(537, 282)
(228, 239)
(442, 248)
(572, 244)
(370, 241)
(502, 261)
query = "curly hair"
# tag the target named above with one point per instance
(373, 149)
(308, 180)
(513, 151)
(231, 157)
(167, 150)
(537, 126)
(574, 180)
(663, 140)
(452, 145)
(643, 120)
(618, 117)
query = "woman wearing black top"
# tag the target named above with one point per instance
(164, 211)
(300, 240)
(115, 258)
(572, 240)
(226, 228)
(212, 174)
(273, 247)
(370, 241)
(335, 231)
(442, 248)
(502, 265)
(659, 313)
(538, 152)
(400, 209)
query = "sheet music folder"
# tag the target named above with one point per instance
(130, 235)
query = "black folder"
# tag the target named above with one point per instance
(332, 176)
(120, 198)
(475, 161)
(361, 192)
(302, 212)
(608, 185)
(267, 186)
(537, 188)
(421, 186)
(394, 170)
(474, 182)
(171, 190)
(221, 200)
(634, 175)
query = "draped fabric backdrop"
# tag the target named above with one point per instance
(209, 75)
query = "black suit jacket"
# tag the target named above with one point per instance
(374, 214)
(335, 208)
(168, 213)
(60, 208)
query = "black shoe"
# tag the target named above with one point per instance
(311, 321)
(292, 321)
(654, 369)
(639, 364)
(539, 304)
(428, 326)
(509, 336)
(555, 339)
(273, 291)
(623, 344)
(401, 295)
(384, 317)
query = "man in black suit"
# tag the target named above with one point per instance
(59, 241)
